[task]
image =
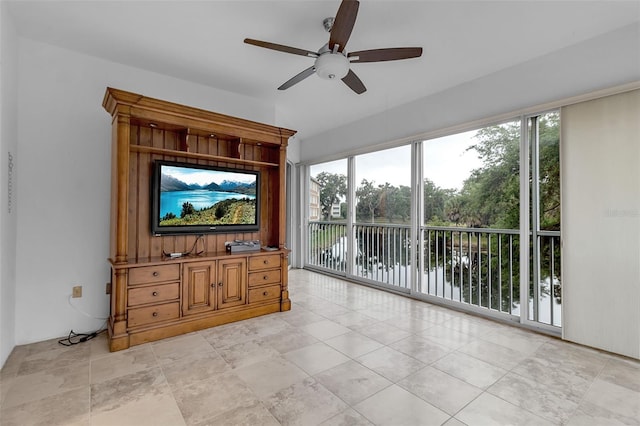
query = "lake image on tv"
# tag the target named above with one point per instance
(192, 196)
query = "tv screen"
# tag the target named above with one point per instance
(196, 199)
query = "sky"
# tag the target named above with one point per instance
(204, 177)
(446, 163)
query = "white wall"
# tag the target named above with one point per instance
(605, 61)
(64, 150)
(8, 209)
(601, 223)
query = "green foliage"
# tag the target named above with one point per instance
(332, 187)
(169, 216)
(187, 209)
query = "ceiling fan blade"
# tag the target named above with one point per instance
(281, 48)
(381, 55)
(297, 78)
(343, 24)
(354, 83)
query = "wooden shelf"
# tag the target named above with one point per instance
(185, 154)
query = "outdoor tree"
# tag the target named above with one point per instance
(332, 187)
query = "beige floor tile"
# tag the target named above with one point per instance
(489, 410)
(553, 403)
(148, 409)
(620, 401)
(353, 344)
(141, 398)
(440, 389)
(473, 371)
(122, 363)
(390, 363)
(348, 417)
(194, 368)
(304, 403)
(46, 383)
(446, 336)
(382, 332)
(53, 356)
(622, 372)
(270, 376)
(316, 358)
(247, 353)
(421, 349)
(398, 407)
(352, 382)
(214, 397)
(325, 329)
(252, 415)
(289, 340)
(171, 350)
(497, 355)
(51, 411)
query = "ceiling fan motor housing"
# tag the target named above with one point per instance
(332, 66)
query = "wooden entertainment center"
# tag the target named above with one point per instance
(154, 296)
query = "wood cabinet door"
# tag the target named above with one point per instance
(232, 282)
(199, 287)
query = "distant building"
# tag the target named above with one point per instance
(335, 210)
(314, 200)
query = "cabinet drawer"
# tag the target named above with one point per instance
(264, 293)
(257, 263)
(265, 277)
(152, 314)
(153, 294)
(154, 274)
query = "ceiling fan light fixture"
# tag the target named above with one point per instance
(332, 66)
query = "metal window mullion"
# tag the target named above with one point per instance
(551, 280)
(535, 215)
(351, 209)
(500, 272)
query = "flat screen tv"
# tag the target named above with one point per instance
(199, 199)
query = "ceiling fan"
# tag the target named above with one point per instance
(332, 61)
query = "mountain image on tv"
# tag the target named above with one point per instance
(193, 196)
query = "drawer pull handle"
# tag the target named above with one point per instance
(155, 314)
(155, 273)
(266, 293)
(266, 262)
(265, 277)
(155, 293)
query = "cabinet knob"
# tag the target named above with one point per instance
(155, 314)
(220, 284)
(265, 277)
(155, 293)
(266, 262)
(155, 273)
(266, 293)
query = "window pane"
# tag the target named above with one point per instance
(383, 186)
(328, 190)
(327, 216)
(549, 171)
(471, 215)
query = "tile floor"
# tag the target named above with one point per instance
(344, 355)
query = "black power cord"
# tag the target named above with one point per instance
(190, 252)
(74, 338)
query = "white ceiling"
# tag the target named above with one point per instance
(202, 41)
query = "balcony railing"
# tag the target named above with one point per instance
(473, 266)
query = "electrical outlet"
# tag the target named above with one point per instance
(77, 291)
(108, 290)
